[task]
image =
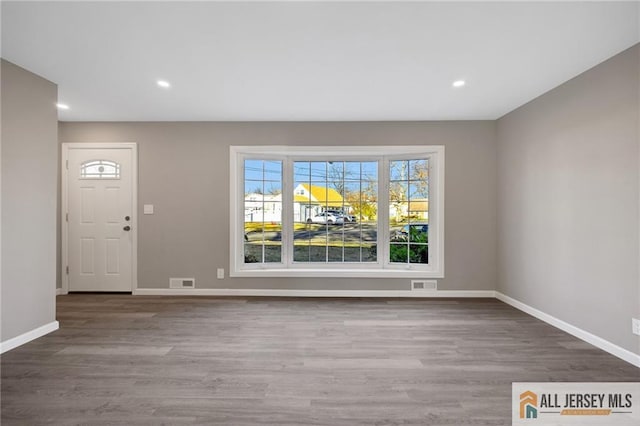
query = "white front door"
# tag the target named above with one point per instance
(100, 217)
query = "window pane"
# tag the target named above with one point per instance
(253, 188)
(302, 171)
(352, 171)
(335, 238)
(273, 189)
(318, 171)
(398, 253)
(398, 191)
(253, 170)
(398, 170)
(273, 171)
(419, 169)
(301, 252)
(418, 190)
(335, 211)
(262, 211)
(353, 254)
(418, 253)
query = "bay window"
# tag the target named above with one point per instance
(369, 211)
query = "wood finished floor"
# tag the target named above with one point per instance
(121, 359)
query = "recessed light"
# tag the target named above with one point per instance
(62, 106)
(458, 83)
(163, 84)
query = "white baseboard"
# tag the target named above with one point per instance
(581, 334)
(308, 293)
(7, 345)
(60, 291)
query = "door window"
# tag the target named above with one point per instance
(100, 169)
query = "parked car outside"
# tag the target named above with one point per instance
(326, 218)
(345, 217)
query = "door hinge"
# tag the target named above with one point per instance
(67, 164)
(67, 269)
(67, 217)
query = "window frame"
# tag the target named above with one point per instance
(382, 267)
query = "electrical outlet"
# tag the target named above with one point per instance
(635, 326)
(220, 273)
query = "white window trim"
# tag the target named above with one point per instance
(381, 269)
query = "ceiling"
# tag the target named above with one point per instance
(309, 61)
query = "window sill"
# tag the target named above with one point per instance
(337, 273)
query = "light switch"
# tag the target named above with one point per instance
(148, 209)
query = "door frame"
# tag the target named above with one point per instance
(64, 205)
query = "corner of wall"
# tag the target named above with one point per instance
(29, 141)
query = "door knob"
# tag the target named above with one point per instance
(127, 228)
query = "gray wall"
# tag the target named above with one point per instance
(29, 198)
(568, 190)
(184, 172)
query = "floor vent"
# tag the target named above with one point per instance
(424, 285)
(182, 282)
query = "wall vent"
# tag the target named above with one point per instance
(424, 285)
(182, 282)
